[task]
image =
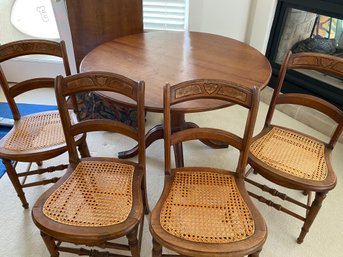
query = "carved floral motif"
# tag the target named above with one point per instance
(232, 92)
(211, 88)
(102, 82)
(10, 50)
(323, 62)
(188, 91)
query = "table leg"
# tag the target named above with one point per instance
(157, 132)
(178, 123)
(153, 135)
(210, 143)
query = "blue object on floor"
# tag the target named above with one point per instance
(24, 109)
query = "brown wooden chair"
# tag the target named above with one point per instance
(291, 158)
(37, 137)
(99, 198)
(206, 211)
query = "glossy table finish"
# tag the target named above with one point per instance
(164, 57)
(172, 57)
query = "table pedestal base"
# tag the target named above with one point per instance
(157, 132)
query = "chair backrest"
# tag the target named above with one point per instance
(326, 64)
(211, 89)
(23, 48)
(100, 81)
(95, 22)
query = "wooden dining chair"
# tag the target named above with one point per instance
(99, 198)
(291, 158)
(36, 137)
(206, 211)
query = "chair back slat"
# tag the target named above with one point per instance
(328, 64)
(104, 125)
(209, 134)
(100, 81)
(31, 84)
(310, 101)
(211, 89)
(23, 48)
(29, 47)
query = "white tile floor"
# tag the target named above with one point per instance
(20, 238)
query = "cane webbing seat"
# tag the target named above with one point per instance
(36, 131)
(292, 153)
(206, 207)
(96, 194)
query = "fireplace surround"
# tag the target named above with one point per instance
(287, 14)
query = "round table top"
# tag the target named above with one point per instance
(164, 57)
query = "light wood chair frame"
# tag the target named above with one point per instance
(326, 64)
(10, 158)
(55, 233)
(233, 94)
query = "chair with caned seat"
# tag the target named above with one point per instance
(39, 136)
(99, 198)
(291, 158)
(206, 211)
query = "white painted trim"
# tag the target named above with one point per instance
(260, 22)
(60, 11)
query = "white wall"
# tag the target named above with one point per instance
(224, 17)
(261, 19)
(8, 33)
(245, 20)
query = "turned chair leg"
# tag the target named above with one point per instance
(50, 244)
(156, 249)
(133, 242)
(12, 174)
(311, 215)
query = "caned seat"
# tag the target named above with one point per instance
(99, 199)
(292, 153)
(104, 199)
(204, 205)
(36, 137)
(206, 211)
(35, 132)
(290, 158)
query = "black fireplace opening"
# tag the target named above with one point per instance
(308, 25)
